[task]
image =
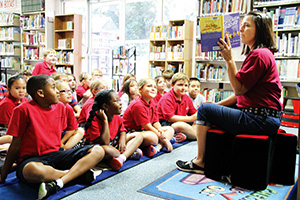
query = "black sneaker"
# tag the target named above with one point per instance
(47, 189)
(86, 178)
(189, 166)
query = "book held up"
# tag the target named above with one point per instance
(213, 28)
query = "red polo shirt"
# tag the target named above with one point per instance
(116, 126)
(85, 111)
(139, 113)
(169, 105)
(80, 91)
(7, 106)
(43, 68)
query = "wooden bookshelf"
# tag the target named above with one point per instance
(36, 30)
(68, 43)
(171, 47)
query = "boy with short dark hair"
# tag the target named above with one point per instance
(176, 109)
(36, 143)
(194, 92)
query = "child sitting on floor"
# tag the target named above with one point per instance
(105, 127)
(126, 77)
(96, 86)
(82, 91)
(72, 134)
(177, 110)
(129, 93)
(36, 143)
(141, 115)
(161, 85)
(194, 92)
(16, 96)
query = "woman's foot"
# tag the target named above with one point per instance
(189, 166)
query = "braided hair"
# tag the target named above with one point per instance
(101, 97)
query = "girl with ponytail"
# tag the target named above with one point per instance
(105, 127)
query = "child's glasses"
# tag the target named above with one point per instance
(65, 91)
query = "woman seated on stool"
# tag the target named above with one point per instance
(256, 86)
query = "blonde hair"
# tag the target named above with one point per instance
(57, 75)
(96, 83)
(143, 82)
(83, 76)
(59, 84)
(96, 71)
(179, 76)
(48, 51)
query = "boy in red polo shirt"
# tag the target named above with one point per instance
(176, 109)
(46, 67)
(36, 143)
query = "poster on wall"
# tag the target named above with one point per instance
(8, 4)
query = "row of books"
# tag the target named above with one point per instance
(288, 45)
(33, 38)
(11, 48)
(7, 18)
(211, 55)
(65, 57)
(120, 52)
(224, 6)
(33, 53)
(156, 70)
(122, 67)
(288, 69)
(163, 32)
(285, 17)
(67, 43)
(214, 95)
(155, 49)
(36, 21)
(9, 33)
(209, 72)
(179, 67)
(64, 69)
(13, 62)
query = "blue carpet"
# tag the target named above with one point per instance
(186, 186)
(13, 189)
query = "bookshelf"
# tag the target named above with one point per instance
(286, 25)
(171, 47)
(68, 43)
(210, 67)
(10, 44)
(123, 62)
(36, 30)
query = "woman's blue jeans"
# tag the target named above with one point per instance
(236, 121)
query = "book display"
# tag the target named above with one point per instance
(123, 62)
(68, 43)
(37, 31)
(171, 47)
(10, 46)
(286, 23)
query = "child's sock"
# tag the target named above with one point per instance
(123, 157)
(60, 183)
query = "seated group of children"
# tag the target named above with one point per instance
(97, 129)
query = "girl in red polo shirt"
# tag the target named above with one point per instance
(105, 127)
(142, 115)
(161, 85)
(16, 96)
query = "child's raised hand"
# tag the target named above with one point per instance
(101, 114)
